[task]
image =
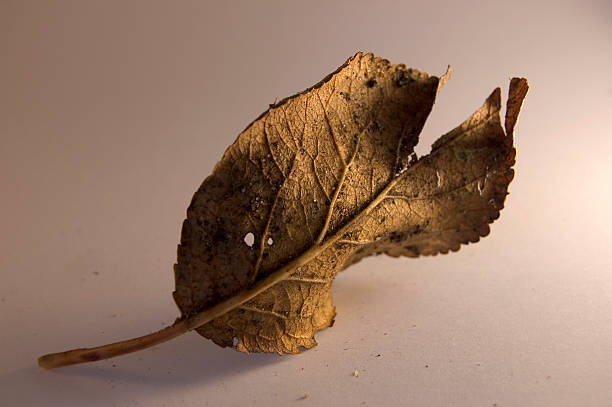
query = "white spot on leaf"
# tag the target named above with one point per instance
(249, 239)
(401, 171)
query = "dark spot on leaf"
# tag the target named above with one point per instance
(413, 250)
(396, 237)
(374, 127)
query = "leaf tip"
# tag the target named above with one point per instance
(516, 95)
(494, 100)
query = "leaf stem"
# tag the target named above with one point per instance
(84, 355)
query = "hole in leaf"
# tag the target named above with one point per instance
(249, 239)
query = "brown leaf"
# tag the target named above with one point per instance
(316, 183)
(323, 179)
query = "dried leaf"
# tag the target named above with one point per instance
(316, 183)
(325, 178)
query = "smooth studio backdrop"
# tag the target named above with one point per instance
(113, 112)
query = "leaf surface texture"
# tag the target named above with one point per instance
(325, 178)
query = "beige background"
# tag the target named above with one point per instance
(113, 112)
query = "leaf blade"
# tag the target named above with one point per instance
(320, 167)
